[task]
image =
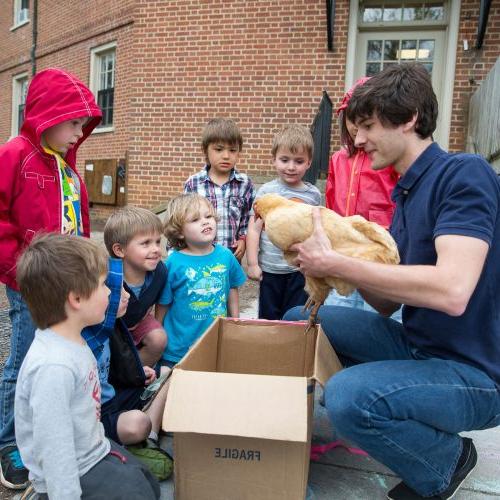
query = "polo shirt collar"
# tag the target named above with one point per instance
(418, 168)
(233, 175)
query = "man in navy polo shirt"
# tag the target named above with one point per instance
(410, 388)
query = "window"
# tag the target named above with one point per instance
(393, 12)
(21, 12)
(102, 82)
(19, 91)
(387, 32)
(382, 53)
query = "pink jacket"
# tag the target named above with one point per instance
(30, 187)
(353, 188)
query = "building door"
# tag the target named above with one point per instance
(378, 50)
(385, 32)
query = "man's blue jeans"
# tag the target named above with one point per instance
(403, 407)
(23, 332)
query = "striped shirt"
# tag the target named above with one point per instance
(232, 202)
(97, 335)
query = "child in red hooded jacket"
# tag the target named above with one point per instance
(40, 190)
(354, 188)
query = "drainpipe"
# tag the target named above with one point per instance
(34, 37)
(484, 12)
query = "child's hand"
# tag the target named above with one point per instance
(255, 272)
(240, 249)
(150, 374)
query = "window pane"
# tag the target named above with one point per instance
(413, 12)
(20, 117)
(434, 12)
(372, 14)
(426, 50)
(24, 91)
(408, 50)
(372, 69)
(392, 14)
(105, 100)
(374, 50)
(25, 4)
(391, 50)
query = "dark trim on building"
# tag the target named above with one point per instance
(484, 12)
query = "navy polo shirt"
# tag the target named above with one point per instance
(457, 194)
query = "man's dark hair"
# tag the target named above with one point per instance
(395, 95)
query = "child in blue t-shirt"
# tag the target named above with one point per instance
(203, 278)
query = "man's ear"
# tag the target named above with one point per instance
(409, 126)
(118, 250)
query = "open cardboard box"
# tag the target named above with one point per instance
(240, 405)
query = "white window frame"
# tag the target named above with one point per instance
(95, 59)
(20, 16)
(448, 75)
(16, 100)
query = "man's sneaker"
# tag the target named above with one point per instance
(157, 460)
(465, 465)
(13, 473)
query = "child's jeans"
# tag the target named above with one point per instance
(399, 404)
(23, 332)
(356, 301)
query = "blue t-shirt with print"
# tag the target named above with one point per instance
(197, 292)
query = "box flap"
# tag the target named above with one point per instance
(202, 355)
(264, 347)
(326, 362)
(257, 406)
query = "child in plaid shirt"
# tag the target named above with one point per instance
(230, 192)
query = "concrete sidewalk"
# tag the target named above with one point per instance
(338, 474)
(342, 475)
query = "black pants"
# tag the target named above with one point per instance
(280, 292)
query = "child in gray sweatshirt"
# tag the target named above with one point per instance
(58, 394)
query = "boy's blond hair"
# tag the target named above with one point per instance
(180, 210)
(55, 265)
(295, 138)
(128, 222)
(221, 130)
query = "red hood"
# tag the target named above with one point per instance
(55, 96)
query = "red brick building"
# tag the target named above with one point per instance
(162, 69)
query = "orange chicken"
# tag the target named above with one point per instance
(287, 222)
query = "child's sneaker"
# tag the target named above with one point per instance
(13, 473)
(465, 465)
(30, 494)
(157, 460)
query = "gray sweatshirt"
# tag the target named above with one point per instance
(57, 414)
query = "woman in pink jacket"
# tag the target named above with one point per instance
(353, 188)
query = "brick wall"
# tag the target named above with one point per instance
(180, 63)
(472, 65)
(265, 64)
(66, 36)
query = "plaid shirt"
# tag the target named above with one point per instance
(96, 335)
(232, 201)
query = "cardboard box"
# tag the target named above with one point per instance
(240, 406)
